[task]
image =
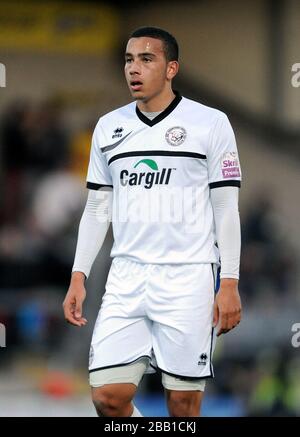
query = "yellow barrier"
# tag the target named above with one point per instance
(58, 27)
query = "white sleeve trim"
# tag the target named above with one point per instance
(93, 228)
(228, 231)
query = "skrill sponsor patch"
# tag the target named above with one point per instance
(230, 165)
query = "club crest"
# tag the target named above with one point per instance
(175, 136)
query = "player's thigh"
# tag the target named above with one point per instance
(113, 395)
(183, 337)
(120, 341)
(184, 403)
(122, 332)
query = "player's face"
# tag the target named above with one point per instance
(146, 69)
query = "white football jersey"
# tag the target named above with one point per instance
(161, 171)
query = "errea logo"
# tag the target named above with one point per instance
(118, 132)
(147, 179)
(202, 359)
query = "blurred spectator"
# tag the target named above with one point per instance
(271, 395)
(267, 260)
(41, 197)
(292, 393)
(80, 151)
(59, 196)
(47, 139)
(14, 147)
(40, 249)
(33, 143)
(31, 320)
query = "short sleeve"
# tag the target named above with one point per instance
(222, 156)
(98, 174)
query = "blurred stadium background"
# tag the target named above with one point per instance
(64, 64)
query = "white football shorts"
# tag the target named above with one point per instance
(160, 311)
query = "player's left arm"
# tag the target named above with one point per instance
(224, 174)
(227, 307)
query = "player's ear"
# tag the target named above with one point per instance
(172, 69)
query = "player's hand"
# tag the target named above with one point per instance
(227, 307)
(74, 299)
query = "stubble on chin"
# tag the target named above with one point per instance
(139, 97)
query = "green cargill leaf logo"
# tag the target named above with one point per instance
(152, 164)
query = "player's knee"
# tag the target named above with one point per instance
(182, 404)
(109, 403)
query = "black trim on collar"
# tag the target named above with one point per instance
(163, 114)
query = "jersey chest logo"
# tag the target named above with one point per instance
(176, 135)
(147, 178)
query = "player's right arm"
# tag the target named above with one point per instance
(93, 228)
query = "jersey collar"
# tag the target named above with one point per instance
(163, 114)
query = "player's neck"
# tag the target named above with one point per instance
(157, 103)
